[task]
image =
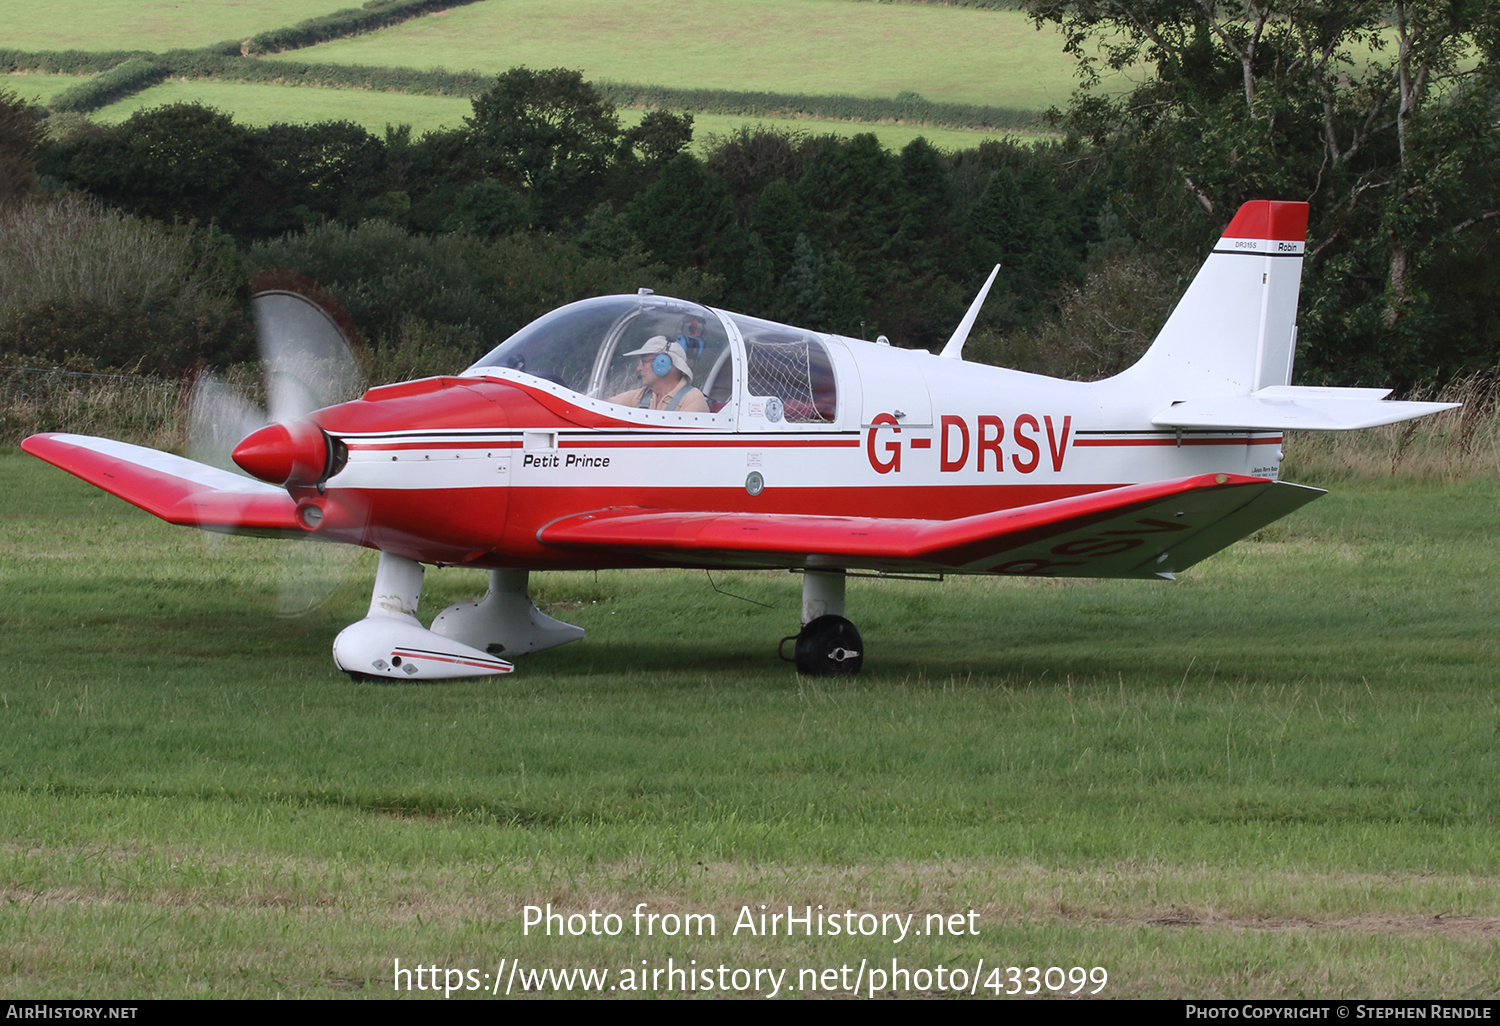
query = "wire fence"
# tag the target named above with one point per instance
(133, 408)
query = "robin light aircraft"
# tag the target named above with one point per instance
(644, 431)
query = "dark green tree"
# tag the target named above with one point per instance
(549, 133)
(22, 139)
(1380, 114)
(659, 137)
(686, 219)
(182, 162)
(313, 173)
(750, 159)
(778, 219)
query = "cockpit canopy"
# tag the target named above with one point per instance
(584, 346)
(588, 347)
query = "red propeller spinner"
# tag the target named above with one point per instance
(290, 455)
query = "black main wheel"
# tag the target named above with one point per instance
(830, 646)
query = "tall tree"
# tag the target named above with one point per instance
(1381, 114)
(548, 132)
(181, 162)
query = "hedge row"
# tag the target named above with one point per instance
(128, 77)
(905, 107)
(376, 14)
(436, 82)
(64, 62)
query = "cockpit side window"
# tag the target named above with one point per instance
(792, 365)
(681, 341)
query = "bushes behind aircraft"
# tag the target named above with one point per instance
(542, 198)
(458, 237)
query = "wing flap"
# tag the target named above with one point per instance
(1132, 531)
(178, 490)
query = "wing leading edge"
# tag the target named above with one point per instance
(178, 490)
(1145, 530)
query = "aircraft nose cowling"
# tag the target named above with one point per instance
(294, 454)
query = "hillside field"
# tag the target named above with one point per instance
(148, 24)
(807, 47)
(950, 54)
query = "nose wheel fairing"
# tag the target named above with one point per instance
(390, 643)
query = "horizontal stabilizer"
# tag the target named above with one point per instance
(1290, 408)
(178, 490)
(1146, 530)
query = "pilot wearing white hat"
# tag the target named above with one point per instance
(666, 379)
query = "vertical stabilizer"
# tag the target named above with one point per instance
(1234, 330)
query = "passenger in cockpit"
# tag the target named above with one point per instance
(666, 379)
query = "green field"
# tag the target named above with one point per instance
(253, 104)
(267, 104)
(148, 24)
(39, 88)
(1276, 778)
(951, 54)
(816, 47)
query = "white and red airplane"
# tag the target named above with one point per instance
(806, 451)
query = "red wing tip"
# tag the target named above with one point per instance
(1277, 220)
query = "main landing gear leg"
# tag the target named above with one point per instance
(828, 644)
(504, 621)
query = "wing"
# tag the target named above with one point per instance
(1143, 530)
(178, 490)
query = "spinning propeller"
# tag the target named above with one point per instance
(306, 343)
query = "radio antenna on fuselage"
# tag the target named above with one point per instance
(954, 350)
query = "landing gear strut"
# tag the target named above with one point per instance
(828, 645)
(466, 639)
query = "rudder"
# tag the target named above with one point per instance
(1234, 330)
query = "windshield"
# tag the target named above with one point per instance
(596, 347)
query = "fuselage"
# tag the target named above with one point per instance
(466, 470)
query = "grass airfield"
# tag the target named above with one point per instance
(1276, 778)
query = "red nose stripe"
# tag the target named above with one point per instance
(284, 454)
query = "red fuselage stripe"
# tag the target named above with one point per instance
(1083, 443)
(513, 443)
(710, 443)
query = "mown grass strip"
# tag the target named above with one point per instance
(262, 104)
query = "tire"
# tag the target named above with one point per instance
(830, 646)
